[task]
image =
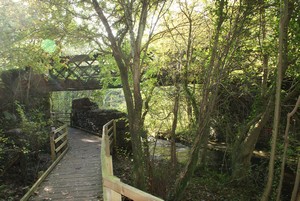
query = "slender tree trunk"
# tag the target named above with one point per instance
(174, 126)
(190, 99)
(282, 64)
(203, 149)
(296, 191)
(265, 56)
(286, 143)
(182, 181)
(206, 107)
(133, 96)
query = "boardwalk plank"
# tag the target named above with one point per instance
(78, 174)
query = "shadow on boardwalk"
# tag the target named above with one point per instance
(78, 175)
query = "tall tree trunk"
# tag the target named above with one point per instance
(296, 191)
(133, 96)
(182, 181)
(174, 126)
(286, 143)
(282, 64)
(265, 56)
(206, 107)
(190, 98)
(243, 148)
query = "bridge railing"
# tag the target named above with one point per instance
(59, 147)
(61, 116)
(58, 141)
(113, 188)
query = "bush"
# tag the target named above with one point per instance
(35, 135)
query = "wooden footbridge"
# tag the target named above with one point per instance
(77, 173)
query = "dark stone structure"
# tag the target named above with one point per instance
(27, 89)
(86, 115)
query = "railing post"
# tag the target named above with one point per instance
(108, 194)
(52, 145)
(115, 133)
(70, 118)
(66, 137)
(106, 139)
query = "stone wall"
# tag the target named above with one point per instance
(86, 115)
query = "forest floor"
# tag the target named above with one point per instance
(19, 177)
(206, 185)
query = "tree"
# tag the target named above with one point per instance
(247, 103)
(284, 155)
(206, 106)
(133, 21)
(251, 125)
(285, 14)
(117, 28)
(221, 53)
(15, 22)
(182, 35)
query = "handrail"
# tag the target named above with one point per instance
(58, 141)
(61, 116)
(54, 155)
(113, 188)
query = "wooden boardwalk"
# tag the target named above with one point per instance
(78, 175)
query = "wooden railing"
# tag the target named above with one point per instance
(113, 188)
(59, 147)
(58, 141)
(61, 116)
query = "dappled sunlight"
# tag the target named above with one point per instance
(48, 189)
(90, 140)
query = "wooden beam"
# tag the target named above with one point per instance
(113, 188)
(116, 185)
(61, 137)
(59, 129)
(61, 146)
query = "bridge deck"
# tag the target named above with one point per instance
(78, 175)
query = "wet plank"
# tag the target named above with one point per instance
(78, 174)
